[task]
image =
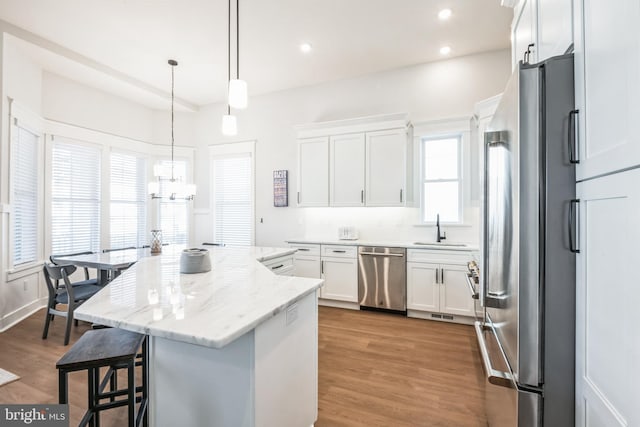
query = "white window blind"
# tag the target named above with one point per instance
(24, 197)
(128, 210)
(75, 205)
(174, 220)
(233, 199)
(441, 179)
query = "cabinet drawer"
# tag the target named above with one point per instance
(306, 248)
(438, 256)
(278, 264)
(339, 251)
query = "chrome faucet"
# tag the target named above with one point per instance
(439, 238)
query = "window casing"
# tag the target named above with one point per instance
(25, 176)
(128, 206)
(75, 197)
(441, 179)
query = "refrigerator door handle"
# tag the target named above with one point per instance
(495, 300)
(572, 137)
(499, 378)
(572, 226)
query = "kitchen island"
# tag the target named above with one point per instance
(236, 346)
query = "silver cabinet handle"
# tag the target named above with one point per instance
(574, 205)
(298, 197)
(472, 289)
(442, 276)
(321, 267)
(572, 137)
(500, 378)
(277, 267)
(339, 252)
(380, 254)
(401, 195)
(362, 196)
(304, 249)
(436, 271)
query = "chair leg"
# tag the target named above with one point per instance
(47, 318)
(67, 332)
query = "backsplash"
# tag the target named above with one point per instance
(386, 224)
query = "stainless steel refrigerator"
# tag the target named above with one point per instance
(528, 287)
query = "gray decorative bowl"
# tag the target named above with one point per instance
(195, 260)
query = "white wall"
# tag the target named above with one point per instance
(426, 92)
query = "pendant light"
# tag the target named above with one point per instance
(175, 188)
(229, 122)
(238, 97)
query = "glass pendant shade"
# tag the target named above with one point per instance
(229, 125)
(238, 97)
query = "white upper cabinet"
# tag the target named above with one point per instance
(524, 32)
(555, 29)
(386, 168)
(313, 172)
(356, 162)
(346, 164)
(607, 53)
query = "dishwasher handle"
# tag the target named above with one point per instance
(379, 254)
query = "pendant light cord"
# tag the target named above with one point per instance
(238, 39)
(172, 139)
(229, 53)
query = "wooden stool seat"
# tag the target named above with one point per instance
(115, 349)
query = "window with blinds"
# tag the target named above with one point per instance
(233, 199)
(128, 208)
(24, 195)
(75, 198)
(174, 219)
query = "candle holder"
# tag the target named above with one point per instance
(156, 241)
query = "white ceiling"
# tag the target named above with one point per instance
(124, 44)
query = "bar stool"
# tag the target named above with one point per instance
(114, 349)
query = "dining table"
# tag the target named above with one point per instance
(108, 264)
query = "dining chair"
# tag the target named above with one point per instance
(53, 259)
(62, 291)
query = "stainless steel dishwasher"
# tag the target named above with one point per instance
(382, 278)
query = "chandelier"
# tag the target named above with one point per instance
(169, 184)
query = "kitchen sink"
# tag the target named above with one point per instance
(459, 245)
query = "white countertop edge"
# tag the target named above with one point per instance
(389, 244)
(194, 339)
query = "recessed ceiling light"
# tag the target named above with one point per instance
(445, 50)
(444, 14)
(305, 47)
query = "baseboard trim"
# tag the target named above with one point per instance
(22, 313)
(339, 304)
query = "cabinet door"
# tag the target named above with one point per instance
(423, 292)
(607, 338)
(340, 279)
(524, 33)
(454, 291)
(385, 168)
(555, 29)
(305, 266)
(607, 54)
(313, 172)
(346, 165)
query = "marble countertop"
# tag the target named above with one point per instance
(210, 309)
(453, 246)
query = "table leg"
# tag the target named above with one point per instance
(103, 277)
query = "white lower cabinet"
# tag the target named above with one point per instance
(340, 273)
(436, 283)
(607, 338)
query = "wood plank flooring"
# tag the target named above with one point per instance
(374, 369)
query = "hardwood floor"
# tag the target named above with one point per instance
(378, 369)
(375, 369)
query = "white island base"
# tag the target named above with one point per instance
(265, 378)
